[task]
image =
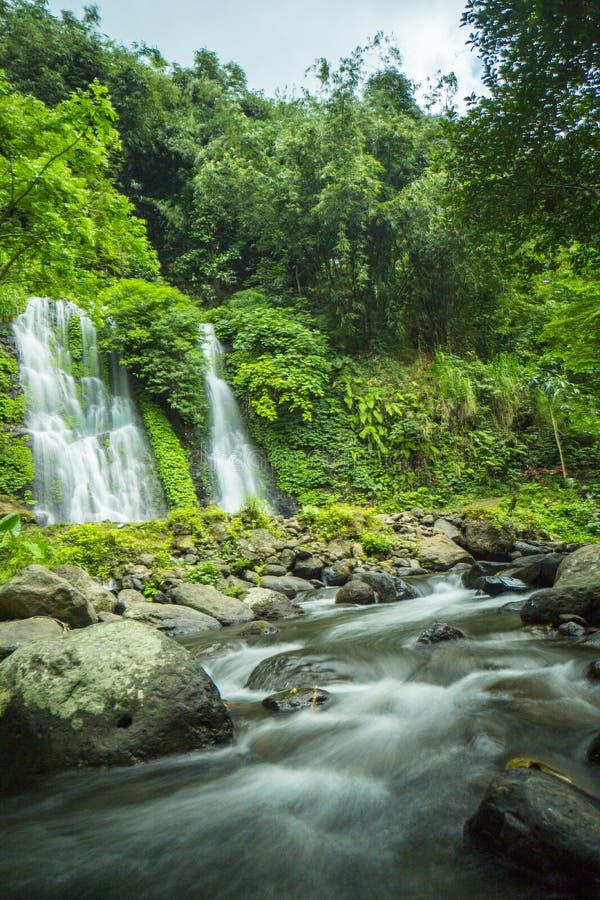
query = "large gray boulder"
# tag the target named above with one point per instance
(580, 568)
(388, 588)
(308, 568)
(551, 606)
(295, 670)
(440, 553)
(100, 597)
(289, 585)
(172, 620)
(356, 592)
(266, 604)
(543, 825)
(208, 600)
(19, 632)
(489, 539)
(37, 591)
(111, 694)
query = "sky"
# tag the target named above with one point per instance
(275, 41)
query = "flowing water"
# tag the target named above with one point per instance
(364, 797)
(234, 461)
(91, 455)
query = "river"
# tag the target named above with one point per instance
(365, 797)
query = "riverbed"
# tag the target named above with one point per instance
(364, 797)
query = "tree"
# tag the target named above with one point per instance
(63, 226)
(530, 151)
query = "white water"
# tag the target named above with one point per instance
(92, 459)
(234, 461)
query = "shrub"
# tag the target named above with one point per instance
(171, 459)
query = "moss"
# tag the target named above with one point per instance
(171, 459)
(340, 521)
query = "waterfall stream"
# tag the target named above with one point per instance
(363, 798)
(234, 461)
(92, 459)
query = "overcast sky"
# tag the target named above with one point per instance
(276, 40)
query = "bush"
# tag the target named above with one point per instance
(171, 459)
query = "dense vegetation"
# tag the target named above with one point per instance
(411, 298)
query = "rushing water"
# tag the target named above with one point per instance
(365, 797)
(92, 459)
(234, 461)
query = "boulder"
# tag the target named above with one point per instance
(266, 604)
(356, 592)
(593, 670)
(499, 584)
(261, 541)
(289, 585)
(388, 588)
(536, 570)
(593, 751)
(37, 591)
(129, 598)
(440, 553)
(111, 694)
(287, 558)
(100, 597)
(296, 699)
(339, 573)
(206, 599)
(443, 526)
(274, 569)
(439, 632)
(172, 620)
(543, 825)
(489, 538)
(257, 628)
(9, 506)
(550, 605)
(308, 568)
(580, 568)
(292, 670)
(20, 632)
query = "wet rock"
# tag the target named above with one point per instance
(339, 573)
(546, 607)
(593, 751)
(296, 699)
(593, 670)
(267, 604)
(531, 548)
(287, 584)
(515, 606)
(37, 591)
(100, 597)
(208, 600)
(388, 588)
(111, 694)
(537, 570)
(541, 824)
(258, 628)
(172, 620)
(288, 670)
(356, 591)
(571, 630)
(489, 539)
(439, 632)
(592, 641)
(482, 569)
(308, 568)
(581, 568)
(499, 584)
(20, 632)
(440, 553)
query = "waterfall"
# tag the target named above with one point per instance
(234, 461)
(91, 455)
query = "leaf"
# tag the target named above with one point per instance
(520, 762)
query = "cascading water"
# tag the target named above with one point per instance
(92, 459)
(233, 459)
